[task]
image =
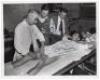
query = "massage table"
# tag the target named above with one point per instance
(70, 54)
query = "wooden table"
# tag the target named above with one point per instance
(76, 63)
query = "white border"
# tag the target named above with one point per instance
(47, 1)
(46, 77)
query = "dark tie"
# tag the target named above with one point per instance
(61, 28)
(31, 48)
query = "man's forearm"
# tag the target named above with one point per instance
(21, 61)
(33, 55)
(42, 48)
(43, 57)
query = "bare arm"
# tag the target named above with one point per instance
(42, 52)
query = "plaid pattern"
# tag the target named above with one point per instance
(44, 27)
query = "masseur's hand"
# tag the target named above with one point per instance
(66, 37)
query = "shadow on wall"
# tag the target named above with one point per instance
(14, 13)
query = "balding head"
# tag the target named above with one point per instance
(32, 16)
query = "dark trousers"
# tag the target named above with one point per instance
(54, 38)
(51, 39)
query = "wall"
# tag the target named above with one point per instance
(73, 9)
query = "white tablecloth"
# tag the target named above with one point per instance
(68, 51)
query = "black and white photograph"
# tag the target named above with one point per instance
(57, 39)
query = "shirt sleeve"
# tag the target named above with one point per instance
(38, 34)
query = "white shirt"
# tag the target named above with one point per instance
(59, 22)
(55, 30)
(25, 35)
(52, 26)
(58, 26)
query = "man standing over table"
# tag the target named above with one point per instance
(43, 23)
(59, 25)
(27, 36)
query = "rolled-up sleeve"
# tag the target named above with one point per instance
(36, 33)
(41, 37)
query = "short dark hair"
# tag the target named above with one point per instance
(61, 9)
(92, 30)
(45, 7)
(32, 11)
